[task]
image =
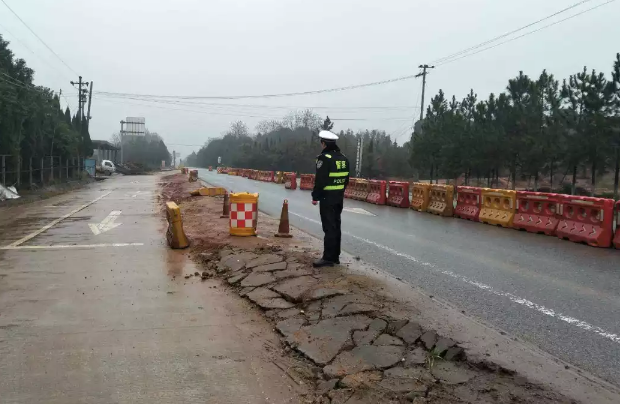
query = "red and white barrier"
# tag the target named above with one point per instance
(468, 203)
(350, 189)
(307, 182)
(586, 220)
(376, 192)
(290, 180)
(617, 236)
(360, 192)
(537, 212)
(398, 194)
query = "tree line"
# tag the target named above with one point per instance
(148, 150)
(537, 128)
(292, 144)
(32, 123)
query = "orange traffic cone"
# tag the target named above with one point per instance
(226, 210)
(284, 229)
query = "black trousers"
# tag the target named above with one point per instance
(330, 219)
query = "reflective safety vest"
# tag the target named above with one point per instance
(338, 173)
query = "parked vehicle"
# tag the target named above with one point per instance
(108, 167)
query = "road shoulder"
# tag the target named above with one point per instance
(494, 360)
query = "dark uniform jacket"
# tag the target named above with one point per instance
(332, 177)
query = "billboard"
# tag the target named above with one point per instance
(134, 126)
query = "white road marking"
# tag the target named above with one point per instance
(106, 224)
(60, 246)
(55, 222)
(513, 298)
(359, 211)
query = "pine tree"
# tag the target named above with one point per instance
(327, 124)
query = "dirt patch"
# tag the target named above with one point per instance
(352, 342)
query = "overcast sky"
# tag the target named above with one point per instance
(246, 47)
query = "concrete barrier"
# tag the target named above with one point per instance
(175, 235)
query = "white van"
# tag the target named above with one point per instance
(108, 167)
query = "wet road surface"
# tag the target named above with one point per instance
(95, 316)
(560, 296)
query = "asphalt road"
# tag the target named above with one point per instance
(560, 296)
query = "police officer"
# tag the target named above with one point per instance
(332, 177)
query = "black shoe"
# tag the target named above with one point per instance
(322, 263)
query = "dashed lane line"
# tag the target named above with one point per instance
(513, 298)
(55, 222)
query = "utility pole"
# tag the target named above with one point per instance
(122, 133)
(174, 159)
(81, 101)
(423, 74)
(358, 162)
(90, 100)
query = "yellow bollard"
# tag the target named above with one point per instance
(175, 234)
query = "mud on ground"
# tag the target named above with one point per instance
(351, 342)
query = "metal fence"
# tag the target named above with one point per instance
(33, 172)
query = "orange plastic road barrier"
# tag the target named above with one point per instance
(617, 236)
(175, 234)
(420, 196)
(498, 207)
(232, 171)
(398, 194)
(586, 220)
(184, 170)
(537, 212)
(376, 192)
(269, 176)
(284, 230)
(350, 189)
(307, 182)
(441, 200)
(360, 192)
(193, 175)
(243, 214)
(290, 181)
(468, 203)
(210, 168)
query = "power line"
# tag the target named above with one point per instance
(260, 106)
(236, 97)
(30, 50)
(527, 33)
(38, 37)
(440, 60)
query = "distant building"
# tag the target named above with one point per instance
(104, 150)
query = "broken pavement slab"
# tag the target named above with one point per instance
(274, 303)
(235, 262)
(362, 358)
(292, 273)
(410, 333)
(417, 356)
(386, 339)
(294, 289)
(333, 306)
(258, 279)
(233, 280)
(362, 379)
(324, 293)
(450, 373)
(375, 329)
(442, 345)
(323, 341)
(429, 339)
(278, 266)
(263, 260)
